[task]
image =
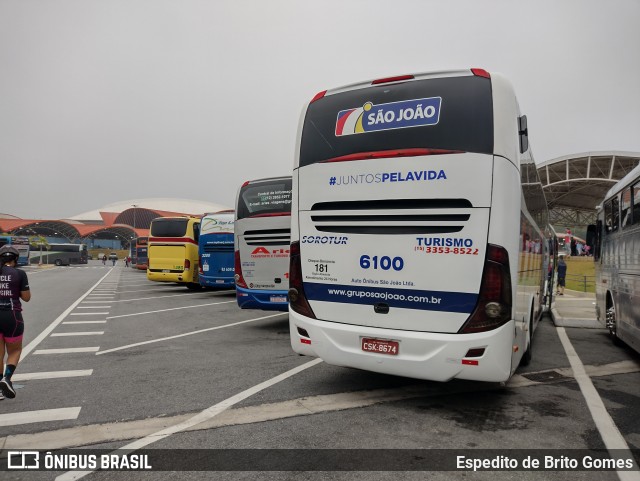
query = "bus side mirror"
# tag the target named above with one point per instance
(523, 133)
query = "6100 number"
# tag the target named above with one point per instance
(385, 262)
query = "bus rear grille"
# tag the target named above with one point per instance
(218, 248)
(392, 216)
(268, 241)
(268, 237)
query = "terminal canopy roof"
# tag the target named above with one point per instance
(575, 185)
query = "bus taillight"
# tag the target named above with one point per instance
(297, 298)
(240, 282)
(187, 264)
(200, 265)
(493, 308)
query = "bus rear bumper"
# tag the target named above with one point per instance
(259, 299)
(169, 276)
(421, 355)
(216, 282)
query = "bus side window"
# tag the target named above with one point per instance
(636, 203)
(597, 240)
(625, 208)
(611, 215)
(196, 231)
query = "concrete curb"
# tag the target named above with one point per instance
(560, 321)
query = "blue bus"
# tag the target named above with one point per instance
(19, 242)
(215, 249)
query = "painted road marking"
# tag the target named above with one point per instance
(30, 376)
(84, 322)
(305, 406)
(611, 436)
(33, 344)
(201, 417)
(94, 307)
(29, 417)
(154, 297)
(66, 334)
(69, 350)
(188, 334)
(89, 313)
(167, 310)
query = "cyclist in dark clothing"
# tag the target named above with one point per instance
(14, 288)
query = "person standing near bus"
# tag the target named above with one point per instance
(14, 287)
(562, 274)
(567, 241)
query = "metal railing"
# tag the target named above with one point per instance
(579, 282)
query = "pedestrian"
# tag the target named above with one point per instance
(126, 261)
(14, 287)
(114, 259)
(567, 241)
(562, 274)
(104, 260)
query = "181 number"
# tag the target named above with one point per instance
(385, 262)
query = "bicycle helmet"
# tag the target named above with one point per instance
(9, 253)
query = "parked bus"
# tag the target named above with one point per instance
(414, 199)
(61, 254)
(216, 249)
(141, 260)
(173, 250)
(617, 243)
(261, 236)
(21, 243)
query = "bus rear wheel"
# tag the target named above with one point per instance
(528, 354)
(612, 325)
(58, 262)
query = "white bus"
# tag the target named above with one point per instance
(415, 205)
(262, 233)
(617, 260)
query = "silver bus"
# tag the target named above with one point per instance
(617, 260)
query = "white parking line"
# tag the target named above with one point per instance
(69, 350)
(201, 417)
(154, 297)
(69, 334)
(33, 344)
(89, 313)
(171, 309)
(94, 307)
(187, 334)
(84, 322)
(44, 415)
(30, 376)
(611, 436)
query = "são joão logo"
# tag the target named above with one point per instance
(393, 115)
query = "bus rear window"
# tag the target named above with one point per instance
(454, 113)
(264, 198)
(169, 227)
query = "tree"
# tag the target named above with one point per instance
(37, 241)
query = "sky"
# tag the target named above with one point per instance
(107, 100)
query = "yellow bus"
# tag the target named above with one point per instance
(173, 250)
